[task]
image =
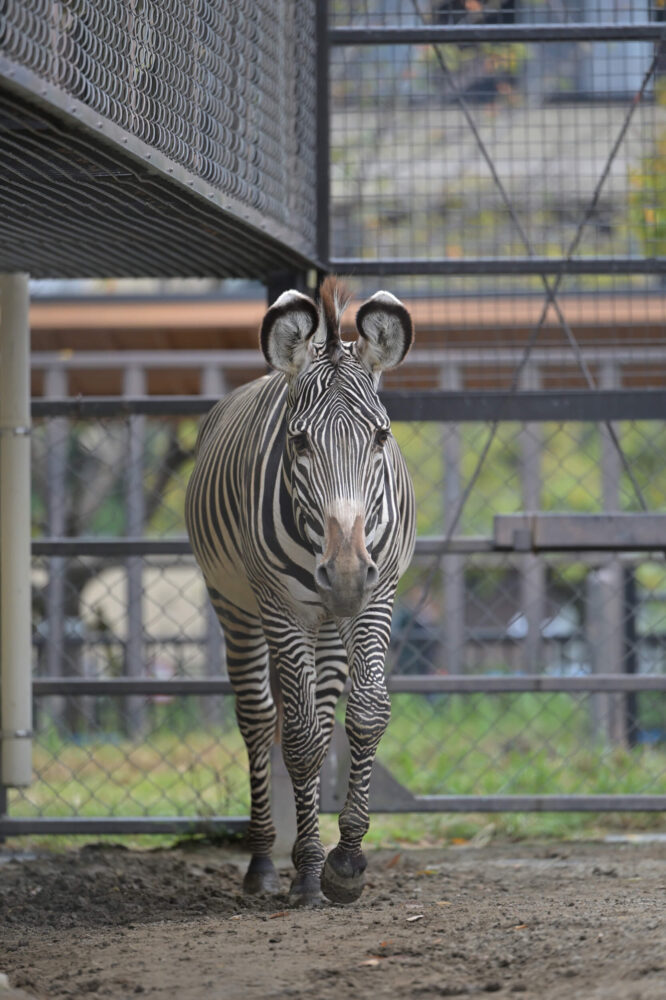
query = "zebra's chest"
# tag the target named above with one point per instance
(280, 566)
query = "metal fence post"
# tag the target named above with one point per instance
(604, 633)
(134, 384)
(611, 471)
(532, 569)
(56, 435)
(630, 611)
(453, 567)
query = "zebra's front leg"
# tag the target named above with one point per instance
(366, 719)
(304, 743)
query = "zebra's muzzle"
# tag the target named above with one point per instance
(345, 575)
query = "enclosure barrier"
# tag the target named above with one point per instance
(515, 533)
(414, 180)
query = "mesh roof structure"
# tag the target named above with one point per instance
(157, 139)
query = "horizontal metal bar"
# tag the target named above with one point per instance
(17, 826)
(574, 404)
(85, 407)
(89, 545)
(157, 359)
(111, 687)
(559, 532)
(358, 266)
(427, 545)
(11, 826)
(403, 404)
(431, 356)
(397, 684)
(531, 803)
(479, 684)
(441, 34)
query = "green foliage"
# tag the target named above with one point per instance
(647, 199)
(570, 470)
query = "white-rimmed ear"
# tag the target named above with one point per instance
(287, 330)
(385, 332)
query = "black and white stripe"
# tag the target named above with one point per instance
(301, 514)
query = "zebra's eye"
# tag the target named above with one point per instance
(381, 436)
(300, 443)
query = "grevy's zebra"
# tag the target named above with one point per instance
(301, 515)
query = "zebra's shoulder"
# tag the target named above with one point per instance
(246, 404)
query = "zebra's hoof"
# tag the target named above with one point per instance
(306, 891)
(261, 878)
(343, 876)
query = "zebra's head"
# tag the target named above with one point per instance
(338, 449)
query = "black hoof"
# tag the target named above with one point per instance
(306, 891)
(261, 877)
(343, 876)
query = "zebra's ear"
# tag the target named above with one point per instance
(287, 330)
(385, 332)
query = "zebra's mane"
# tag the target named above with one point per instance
(334, 297)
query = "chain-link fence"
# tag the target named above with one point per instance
(157, 138)
(500, 167)
(514, 673)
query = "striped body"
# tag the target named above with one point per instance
(301, 515)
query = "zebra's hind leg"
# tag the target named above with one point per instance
(247, 663)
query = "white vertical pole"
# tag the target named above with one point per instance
(15, 603)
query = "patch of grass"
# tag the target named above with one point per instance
(198, 773)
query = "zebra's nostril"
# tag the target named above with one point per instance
(322, 579)
(373, 575)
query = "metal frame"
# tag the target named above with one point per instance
(534, 266)
(387, 794)
(408, 404)
(434, 34)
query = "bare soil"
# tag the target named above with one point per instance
(556, 922)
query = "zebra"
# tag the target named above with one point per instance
(301, 515)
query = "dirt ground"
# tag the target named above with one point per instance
(556, 922)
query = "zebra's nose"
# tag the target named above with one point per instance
(327, 576)
(345, 574)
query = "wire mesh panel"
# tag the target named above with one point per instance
(157, 138)
(498, 166)
(124, 617)
(501, 150)
(485, 618)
